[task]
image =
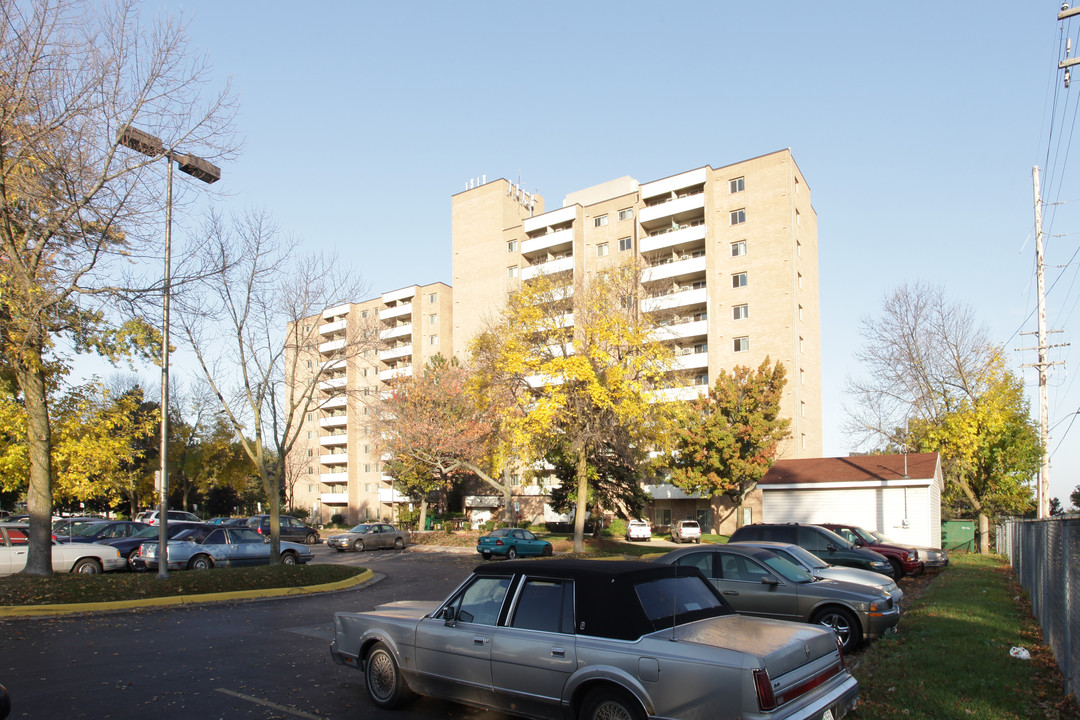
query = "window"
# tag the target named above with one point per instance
(599, 221)
(602, 250)
(309, 453)
(741, 344)
(432, 298)
(797, 217)
(308, 364)
(310, 471)
(738, 280)
(367, 449)
(307, 328)
(310, 416)
(364, 372)
(363, 313)
(308, 434)
(365, 410)
(663, 517)
(801, 345)
(511, 246)
(740, 312)
(625, 244)
(545, 605)
(367, 467)
(433, 319)
(802, 376)
(481, 602)
(802, 409)
(738, 217)
(738, 249)
(627, 214)
(701, 348)
(737, 185)
(512, 272)
(800, 312)
(698, 285)
(626, 302)
(796, 186)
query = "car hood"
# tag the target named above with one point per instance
(782, 645)
(349, 535)
(406, 609)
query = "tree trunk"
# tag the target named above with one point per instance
(31, 378)
(273, 498)
(582, 473)
(984, 534)
(423, 513)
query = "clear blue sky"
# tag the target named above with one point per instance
(916, 126)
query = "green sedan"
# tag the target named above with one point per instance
(511, 543)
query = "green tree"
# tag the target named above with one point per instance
(1074, 498)
(728, 439)
(74, 207)
(579, 368)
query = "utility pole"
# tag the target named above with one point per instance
(1043, 364)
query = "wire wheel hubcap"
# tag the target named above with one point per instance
(381, 676)
(610, 710)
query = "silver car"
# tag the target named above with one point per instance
(595, 640)
(821, 569)
(66, 557)
(369, 536)
(211, 546)
(759, 582)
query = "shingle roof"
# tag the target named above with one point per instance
(859, 468)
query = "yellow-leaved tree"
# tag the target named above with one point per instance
(579, 367)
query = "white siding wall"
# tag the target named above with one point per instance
(875, 508)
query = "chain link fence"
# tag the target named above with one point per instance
(1046, 557)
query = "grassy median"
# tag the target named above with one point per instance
(951, 658)
(60, 588)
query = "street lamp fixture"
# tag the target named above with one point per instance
(201, 169)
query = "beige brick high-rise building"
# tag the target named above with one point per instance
(334, 467)
(732, 253)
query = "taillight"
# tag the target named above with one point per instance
(499, 542)
(260, 530)
(765, 697)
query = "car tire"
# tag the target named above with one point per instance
(610, 703)
(897, 569)
(87, 566)
(311, 539)
(358, 545)
(399, 544)
(511, 552)
(385, 684)
(131, 560)
(200, 562)
(289, 558)
(486, 555)
(843, 623)
(546, 552)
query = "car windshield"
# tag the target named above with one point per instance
(804, 556)
(863, 535)
(836, 539)
(500, 532)
(84, 529)
(148, 532)
(880, 537)
(679, 600)
(787, 569)
(689, 523)
(361, 528)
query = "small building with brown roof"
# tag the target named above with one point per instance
(897, 495)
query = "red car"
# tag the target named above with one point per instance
(904, 560)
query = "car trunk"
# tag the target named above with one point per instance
(783, 646)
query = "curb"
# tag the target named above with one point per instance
(12, 611)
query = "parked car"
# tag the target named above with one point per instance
(150, 517)
(66, 557)
(369, 536)
(594, 640)
(904, 560)
(511, 543)
(759, 582)
(931, 558)
(819, 568)
(88, 532)
(128, 547)
(824, 543)
(62, 526)
(638, 530)
(290, 528)
(685, 531)
(210, 546)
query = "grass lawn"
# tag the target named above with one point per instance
(951, 657)
(21, 590)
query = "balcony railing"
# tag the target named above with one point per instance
(398, 352)
(396, 372)
(336, 420)
(689, 235)
(396, 311)
(403, 330)
(334, 439)
(677, 299)
(676, 331)
(334, 498)
(565, 264)
(332, 346)
(550, 241)
(676, 268)
(665, 211)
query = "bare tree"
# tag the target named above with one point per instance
(75, 208)
(253, 320)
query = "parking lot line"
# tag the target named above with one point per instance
(266, 703)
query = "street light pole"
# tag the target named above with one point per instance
(206, 171)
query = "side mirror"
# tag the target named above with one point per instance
(447, 614)
(769, 580)
(830, 547)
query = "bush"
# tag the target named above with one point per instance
(300, 513)
(337, 519)
(617, 528)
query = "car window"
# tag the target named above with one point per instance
(787, 569)
(84, 529)
(360, 529)
(802, 556)
(831, 537)
(703, 561)
(500, 532)
(812, 540)
(386, 528)
(17, 536)
(846, 534)
(737, 567)
(216, 537)
(667, 598)
(481, 602)
(545, 605)
(244, 535)
(691, 524)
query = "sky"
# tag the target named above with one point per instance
(916, 126)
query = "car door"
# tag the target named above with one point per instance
(247, 547)
(533, 655)
(380, 536)
(739, 579)
(14, 545)
(453, 650)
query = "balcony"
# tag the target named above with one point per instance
(339, 458)
(550, 219)
(677, 268)
(338, 475)
(396, 311)
(396, 372)
(558, 240)
(335, 312)
(565, 264)
(398, 352)
(675, 183)
(332, 346)
(692, 361)
(338, 401)
(404, 330)
(689, 392)
(682, 298)
(334, 439)
(333, 383)
(333, 327)
(334, 498)
(677, 331)
(395, 296)
(683, 237)
(676, 210)
(391, 495)
(340, 420)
